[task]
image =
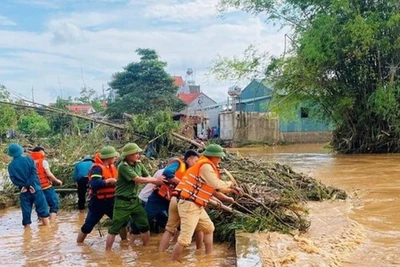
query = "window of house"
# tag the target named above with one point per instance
(304, 112)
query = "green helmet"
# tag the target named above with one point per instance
(214, 150)
(108, 152)
(130, 148)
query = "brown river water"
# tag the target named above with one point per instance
(56, 246)
(362, 231)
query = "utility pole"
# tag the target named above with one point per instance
(33, 96)
(59, 83)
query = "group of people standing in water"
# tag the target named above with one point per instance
(174, 198)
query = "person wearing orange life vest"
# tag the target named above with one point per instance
(47, 179)
(102, 179)
(23, 173)
(199, 184)
(174, 172)
(157, 204)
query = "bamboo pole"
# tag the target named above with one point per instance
(66, 190)
(230, 176)
(50, 109)
(218, 204)
(188, 140)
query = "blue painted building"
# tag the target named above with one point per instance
(256, 97)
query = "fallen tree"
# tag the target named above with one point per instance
(274, 199)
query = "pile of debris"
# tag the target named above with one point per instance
(274, 198)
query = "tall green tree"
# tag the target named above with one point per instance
(143, 87)
(60, 123)
(344, 59)
(33, 124)
(90, 96)
(8, 116)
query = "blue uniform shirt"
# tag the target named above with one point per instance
(169, 173)
(170, 170)
(23, 173)
(82, 169)
(97, 183)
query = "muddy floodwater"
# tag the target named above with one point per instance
(56, 246)
(362, 231)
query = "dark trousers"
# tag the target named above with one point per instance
(97, 209)
(82, 189)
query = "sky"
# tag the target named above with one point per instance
(53, 48)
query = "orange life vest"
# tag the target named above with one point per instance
(38, 157)
(166, 190)
(106, 173)
(192, 187)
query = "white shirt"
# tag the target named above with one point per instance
(46, 164)
(149, 188)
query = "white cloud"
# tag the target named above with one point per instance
(66, 32)
(87, 19)
(4, 21)
(179, 12)
(38, 61)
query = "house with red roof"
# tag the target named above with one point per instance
(195, 100)
(86, 110)
(83, 109)
(178, 81)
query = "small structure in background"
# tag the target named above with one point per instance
(195, 100)
(86, 110)
(246, 117)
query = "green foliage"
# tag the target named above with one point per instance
(90, 96)
(251, 66)
(59, 123)
(68, 150)
(34, 125)
(156, 128)
(343, 60)
(86, 95)
(143, 87)
(7, 112)
(98, 105)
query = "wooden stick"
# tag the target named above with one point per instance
(254, 199)
(230, 176)
(266, 208)
(218, 204)
(244, 208)
(188, 140)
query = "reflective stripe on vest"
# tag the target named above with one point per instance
(38, 157)
(106, 173)
(166, 190)
(192, 187)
